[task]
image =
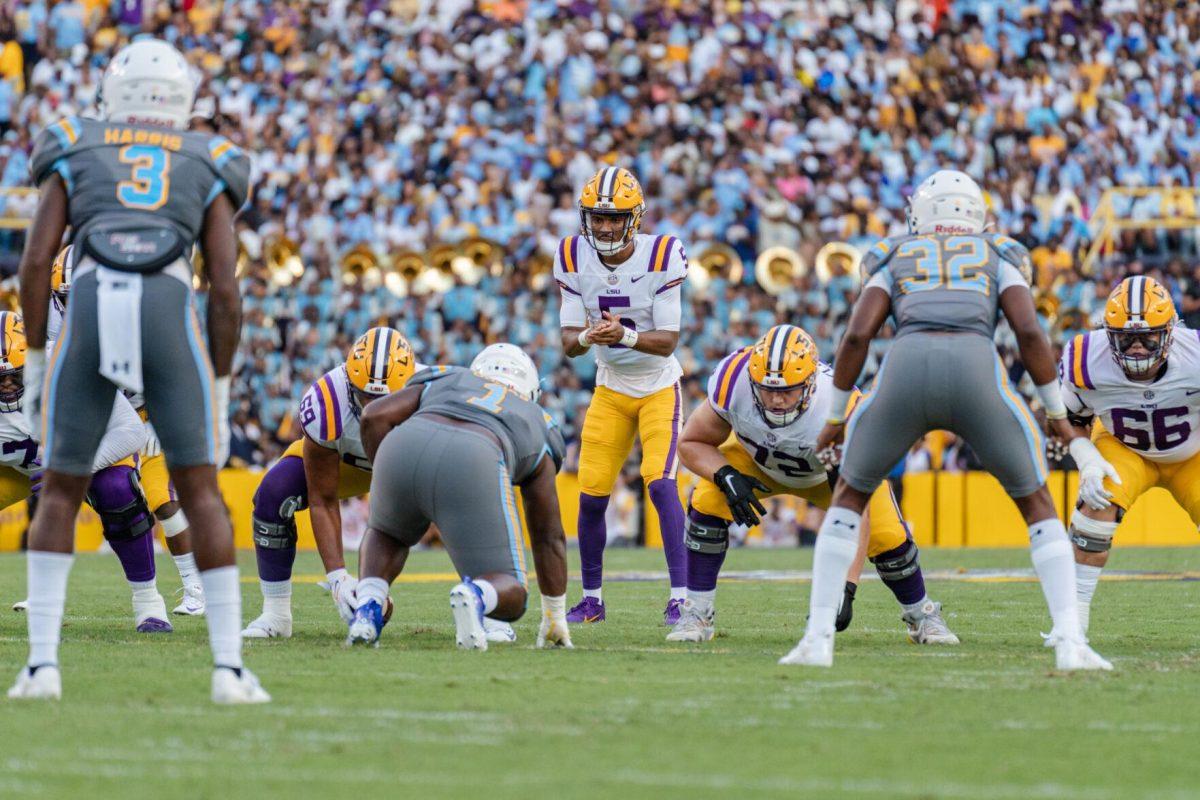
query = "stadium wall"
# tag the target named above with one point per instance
(943, 509)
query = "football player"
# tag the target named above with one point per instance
(449, 449)
(138, 191)
(946, 284)
(152, 467)
(1141, 376)
(755, 438)
(621, 294)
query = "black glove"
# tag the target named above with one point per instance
(846, 612)
(739, 493)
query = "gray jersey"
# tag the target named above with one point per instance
(947, 282)
(526, 432)
(117, 172)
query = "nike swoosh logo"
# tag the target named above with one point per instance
(844, 525)
(1189, 394)
(635, 280)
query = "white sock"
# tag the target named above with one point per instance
(1054, 563)
(223, 596)
(490, 598)
(144, 591)
(47, 591)
(277, 597)
(917, 606)
(679, 593)
(376, 589)
(702, 600)
(593, 593)
(1086, 578)
(833, 555)
(186, 564)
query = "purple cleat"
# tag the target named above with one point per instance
(589, 610)
(671, 613)
(154, 625)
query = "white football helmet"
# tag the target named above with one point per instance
(948, 201)
(148, 81)
(508, 364)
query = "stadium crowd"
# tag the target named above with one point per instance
(754, 123)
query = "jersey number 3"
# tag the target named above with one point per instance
(954, 262)
(149, 182)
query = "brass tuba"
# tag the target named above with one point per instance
(282, 256)
(405, 269)
(477, 257)
(540, 266)
(439, 270)
(843, 253)
(360, 267)
(717, 260)
(776, 268)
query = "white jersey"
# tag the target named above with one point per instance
(643, 292)
(329, 414)
(788, 454)
(1159, 419)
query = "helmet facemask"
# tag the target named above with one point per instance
(12, 388)
(605, 247)
(783, 414)
(1149, 348)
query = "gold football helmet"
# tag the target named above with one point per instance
(60, 274)
(612, 192)
(783, 374)
(1139, 318)
(380, 362)
(12, 360)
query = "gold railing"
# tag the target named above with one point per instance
(9, 220)
(1178, 208)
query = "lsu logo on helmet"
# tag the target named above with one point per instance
(783, 360)
(12, 360)
(380, 362)
(1139, 319)
(612, 192)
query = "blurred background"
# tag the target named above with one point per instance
(416, 163)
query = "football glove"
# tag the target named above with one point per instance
(739, 489)
(31, 400)
(1093, 469)
(341, 585)
(553, 632)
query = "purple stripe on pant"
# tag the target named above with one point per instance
(669, 467)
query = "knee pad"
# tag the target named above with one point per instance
(116, 495)
(897, 563)
(274, 535)
(706, 534)
(1091, 535)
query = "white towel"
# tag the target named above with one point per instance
(119, 316)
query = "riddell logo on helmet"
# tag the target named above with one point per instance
(952, 229)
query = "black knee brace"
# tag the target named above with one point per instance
(274, 535)
(897, 563)
(705, 538)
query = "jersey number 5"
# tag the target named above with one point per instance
(149, 182)
(609, 303)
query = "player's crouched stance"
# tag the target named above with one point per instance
(448, 449)
(756, 436)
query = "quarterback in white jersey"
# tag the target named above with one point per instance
(756, 437)
(1140, 376)
(621, 294)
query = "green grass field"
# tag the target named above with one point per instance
(625, 714)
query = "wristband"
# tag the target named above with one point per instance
(583, 340)
(837, 405)
(1083, 452)
(554, 607)
(1051, 396)
(629, 338)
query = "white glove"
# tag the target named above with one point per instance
(222, 387)
(830, 457)
(31, 400)
(152, 447)
(341, 585)
(1093, 469)
(553, 631)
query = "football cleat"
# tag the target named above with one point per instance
(192, 603)
(269, 626)
(693, 625)
(367, 623)
(37, 683)
(1074, 654)
(234, 687)
(21, 605)
(589, 609)
(499, 631)
(814, 650)
(466, 604)
(672, 612)
(926, 626)
(150, 612)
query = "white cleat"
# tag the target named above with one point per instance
(467, 607)
(693, 626)
(21, 605)
(231, 689)
(43, 683)
(499, 632)
(1075, 654)
(269, 626)
(192, 604)
(926, 626)
(150, 612)
(814, 650)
